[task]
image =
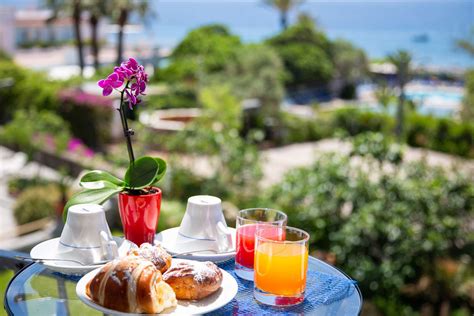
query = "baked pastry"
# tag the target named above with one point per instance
(156, 254)
(193, 280)
(132, 285)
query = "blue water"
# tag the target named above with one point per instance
(427, 101)
(378, 26)
(448, 96)
(422, 109)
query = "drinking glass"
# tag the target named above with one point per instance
(248, 222)
(280, 267)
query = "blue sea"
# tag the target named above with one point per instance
(378, 26)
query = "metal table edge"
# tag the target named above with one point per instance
(347, 276)
(5, 299)
(9, 312)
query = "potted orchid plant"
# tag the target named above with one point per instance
(139, 198)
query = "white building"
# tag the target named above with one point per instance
(28, 28)
(7, 29)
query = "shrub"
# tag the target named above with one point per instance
(31, 130)
(4, 56)
(182, 183)
(19, 184)
(376, 146)
(388, 228)
(235, 161)
(36, 203)
(171, 214)
(298, 129)
(355, 121)
(177, 96)
(440, 134)
(90, 117)
(29, 90)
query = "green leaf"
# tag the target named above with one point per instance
(99, 175)
(142, 173)
(91, 196)
(161, 169)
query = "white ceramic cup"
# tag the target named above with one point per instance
(203, 226)
(86, 236)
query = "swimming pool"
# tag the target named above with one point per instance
(441, 101)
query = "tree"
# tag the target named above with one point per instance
(467, 110)
(401, 60)
(96, 9)
(284, 6)
(305, 52)
(73, 8)
(212, 46)
(350, 66)
(384, 96)
(205, 50)
(121, 10)
(467, 44)
(257, 72)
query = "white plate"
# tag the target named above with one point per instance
(167, 239)
(47, 249)
(208, 304)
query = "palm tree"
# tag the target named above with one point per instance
(384, 96)
(284, 6)
(467, 44)
(122, 9)
(97, 9)
(73, 8)
(401, 60)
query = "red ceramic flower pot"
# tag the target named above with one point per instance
(139, 215)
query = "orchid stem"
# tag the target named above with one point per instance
(126, 130)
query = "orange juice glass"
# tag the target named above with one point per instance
(280, 267)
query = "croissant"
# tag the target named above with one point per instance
(131, 285)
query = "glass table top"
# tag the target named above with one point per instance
(36, 290)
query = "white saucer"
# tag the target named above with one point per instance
(215, 301)
(167, 239)
(47, 249)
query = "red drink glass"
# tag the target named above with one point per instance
(250, 221)
(139, 215)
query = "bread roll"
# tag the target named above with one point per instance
(131, 285)
(156, 254)
(193, 280)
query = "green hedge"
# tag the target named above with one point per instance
(36, 203)
(297, 129)
(440, 134)
(19, 184)
(354, 121)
